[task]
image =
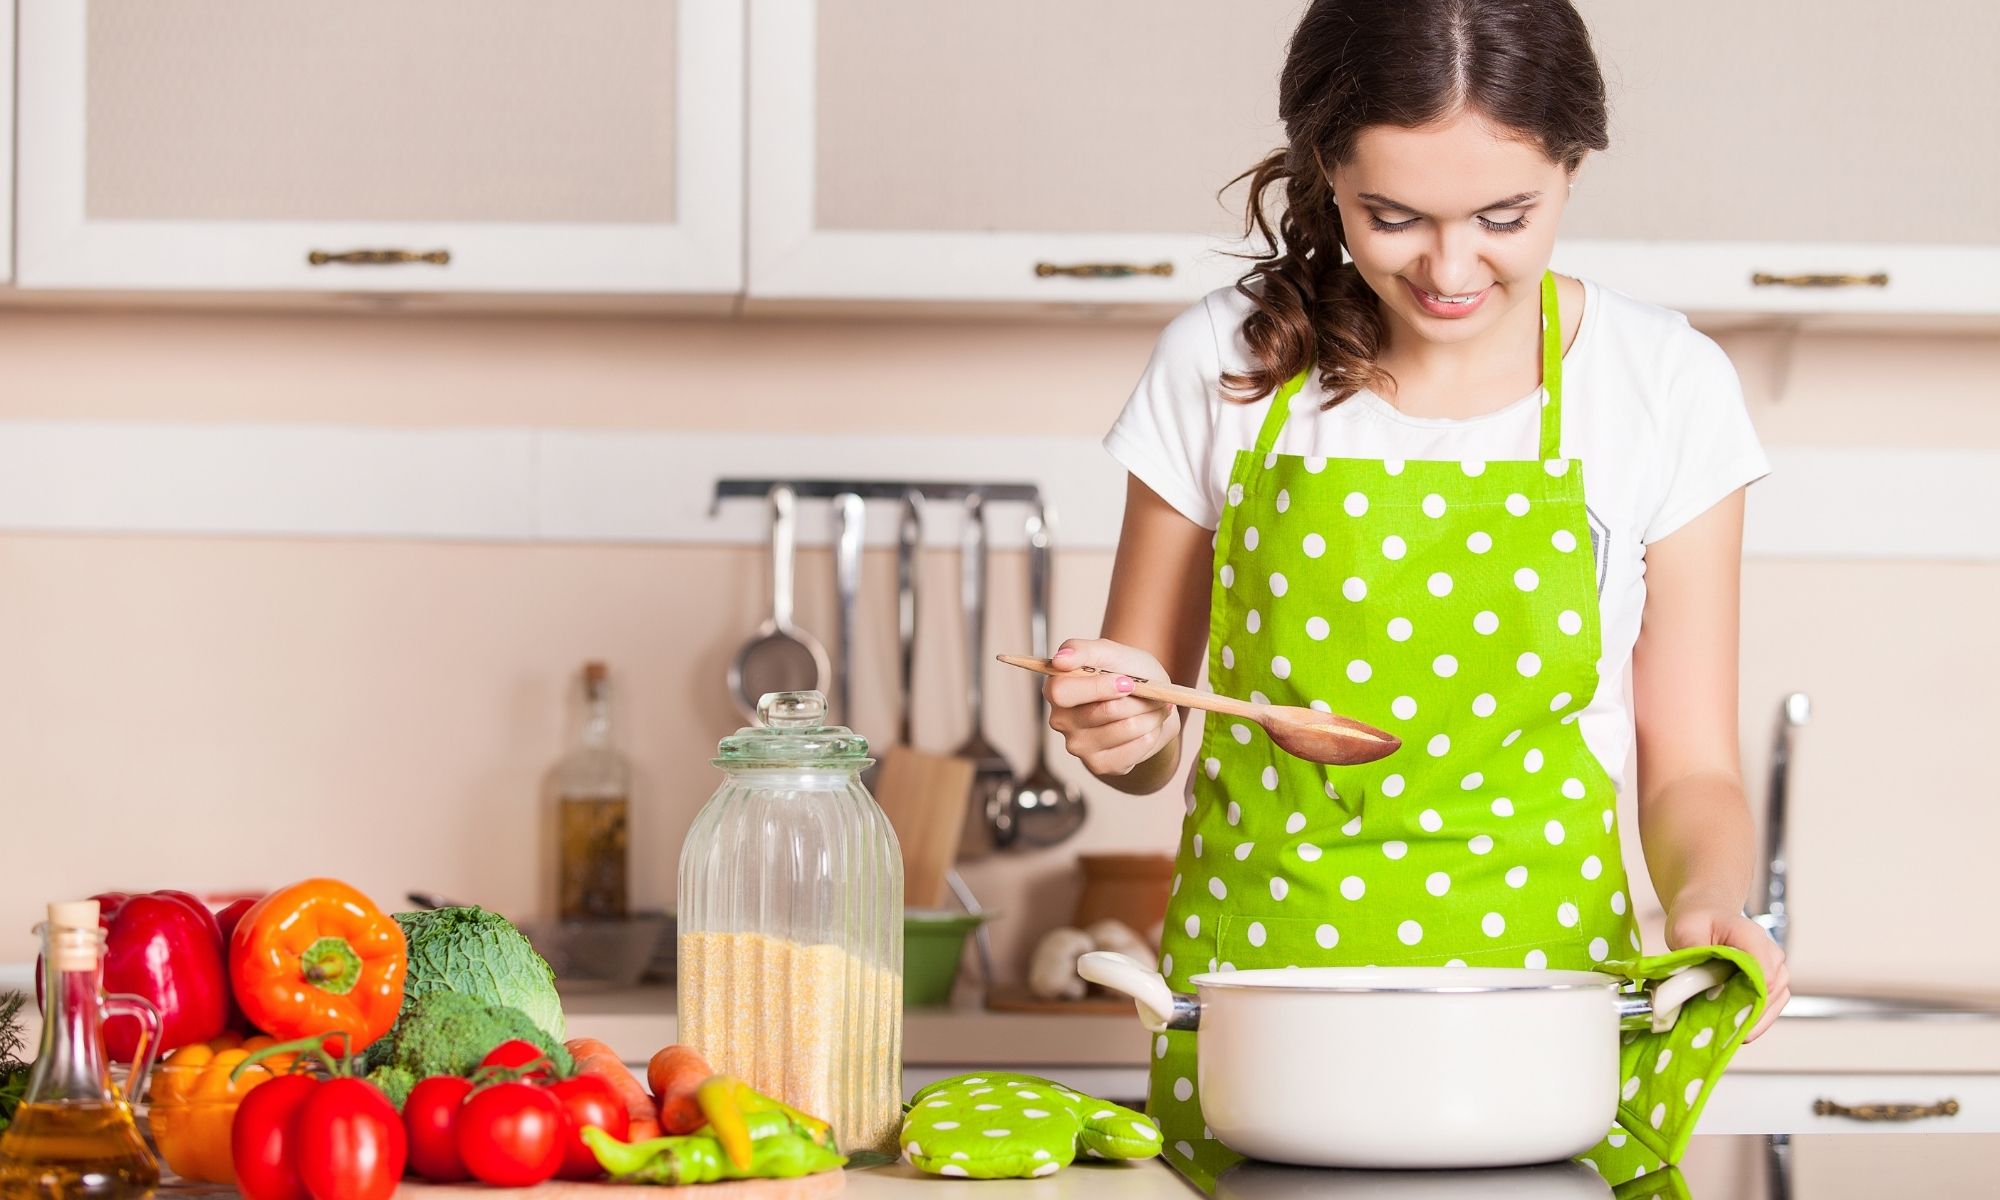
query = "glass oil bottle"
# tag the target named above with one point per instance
(73, 1136)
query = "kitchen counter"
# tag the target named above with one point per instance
(1717, 1168)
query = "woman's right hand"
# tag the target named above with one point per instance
(1109, 730)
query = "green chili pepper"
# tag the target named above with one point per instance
(778, 1153)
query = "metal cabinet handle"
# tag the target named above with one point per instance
(1044, 270)
(1886, 1112)
(1879, 279)
(379, 258)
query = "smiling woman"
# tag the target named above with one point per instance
(1402, 471)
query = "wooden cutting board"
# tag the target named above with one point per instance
(810, 1187)
(1016, 998)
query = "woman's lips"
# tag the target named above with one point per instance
(1447, 309)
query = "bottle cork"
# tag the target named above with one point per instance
(73, 935)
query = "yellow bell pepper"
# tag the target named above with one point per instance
(192, 1102)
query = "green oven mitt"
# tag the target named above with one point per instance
(1666, 1075)
(1002, 1126)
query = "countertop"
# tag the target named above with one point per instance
(1780, 1167)
(637, 1021)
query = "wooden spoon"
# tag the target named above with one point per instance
(1301, 732)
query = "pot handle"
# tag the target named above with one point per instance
(1160, 1008)
(1660, 1007)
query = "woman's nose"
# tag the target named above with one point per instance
(1454, 262)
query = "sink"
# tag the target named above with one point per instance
(1863, 1006)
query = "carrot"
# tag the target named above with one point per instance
(675, 1073)
(595, 1058)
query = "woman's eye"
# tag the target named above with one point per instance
(1390, 226)
(1519, 223)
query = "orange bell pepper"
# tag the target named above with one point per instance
(318, 958)
(192, 1101)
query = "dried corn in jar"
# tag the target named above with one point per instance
(790, 919)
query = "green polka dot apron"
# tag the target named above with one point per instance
(1454, 604)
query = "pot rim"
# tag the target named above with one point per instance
(1451, 981)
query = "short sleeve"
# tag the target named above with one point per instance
(1166, 434)
(1708, 448)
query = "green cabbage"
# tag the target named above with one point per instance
(480, 954)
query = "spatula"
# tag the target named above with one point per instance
(1301, 732)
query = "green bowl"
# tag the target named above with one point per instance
(933, 944)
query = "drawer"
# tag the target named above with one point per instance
(1816, 1102)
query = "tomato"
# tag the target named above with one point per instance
(263, 1146)
(587, 1100)
(430, 1117)
(516, 1053)
(351, 1144)
(511, 1134)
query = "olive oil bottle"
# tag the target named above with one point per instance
(73, 1136)
(593, 814)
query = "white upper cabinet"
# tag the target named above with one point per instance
(1822, 156)
(6, 139)
(1033, 151)
(1791, 156)
(493, 146)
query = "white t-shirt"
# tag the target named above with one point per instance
(1651, 406)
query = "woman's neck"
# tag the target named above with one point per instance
(1458, 380)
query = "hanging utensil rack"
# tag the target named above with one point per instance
(875, 489)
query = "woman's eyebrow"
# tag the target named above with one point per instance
(1381, 201)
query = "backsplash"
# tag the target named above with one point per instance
(240, 711)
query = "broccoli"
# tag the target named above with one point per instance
(447, 1033)
(395, 1083)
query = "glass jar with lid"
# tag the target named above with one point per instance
(790, 924)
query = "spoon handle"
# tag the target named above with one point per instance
(1169, 693)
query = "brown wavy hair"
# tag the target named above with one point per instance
(1526, 65)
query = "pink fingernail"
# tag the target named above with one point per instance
(1065, 652)
(1124, 684)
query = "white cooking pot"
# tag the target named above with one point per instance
(1424, 1067)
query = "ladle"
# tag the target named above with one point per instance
(1301, 732)
(779, 657)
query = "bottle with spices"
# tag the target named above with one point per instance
(593, 810)
(73, 1136)
(791, 924)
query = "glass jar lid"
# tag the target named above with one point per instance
(792, 732)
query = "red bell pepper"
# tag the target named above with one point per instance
(167, 947)
(226, 917)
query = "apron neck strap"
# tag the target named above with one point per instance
(1551, 423)
(1552, 370)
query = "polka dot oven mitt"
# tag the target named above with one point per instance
(1665, 1078)
(1003, 1126)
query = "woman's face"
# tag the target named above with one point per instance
(1452, 224)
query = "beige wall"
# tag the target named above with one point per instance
(227, 713)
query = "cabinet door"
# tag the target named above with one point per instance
(910, 150)
(382, 145)
(1823, 139)
(6, 139)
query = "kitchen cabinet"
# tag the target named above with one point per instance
(1796, 142)
(468, 146)
(903, 150)
(6, 138)
(907, 151)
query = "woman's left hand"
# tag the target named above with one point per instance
(1702, 925)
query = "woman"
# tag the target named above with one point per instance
(1361, 485)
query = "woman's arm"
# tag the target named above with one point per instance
(1155, 626)
(1694, 819)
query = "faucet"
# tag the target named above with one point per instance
(1793, 714)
